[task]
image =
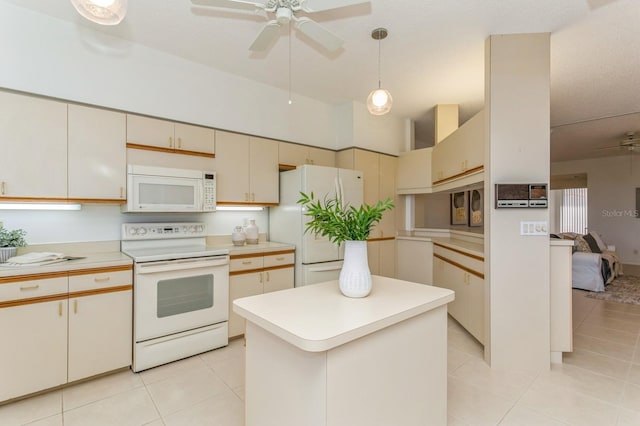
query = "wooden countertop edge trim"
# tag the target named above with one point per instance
(371, 240)
(268, 268)
(59, 274)
(266, 253)
(473, 256)
(458, 265)
(104, 290)
(245, 203)
(459, 175)
(132, 145)
(32, 300)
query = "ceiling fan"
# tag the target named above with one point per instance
(630, 143)
(285, 12)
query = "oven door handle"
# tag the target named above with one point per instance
(177, 265)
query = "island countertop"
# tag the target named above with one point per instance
(318, 317)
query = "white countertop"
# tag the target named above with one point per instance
(261, 247)
(318, 317)
(92, 260)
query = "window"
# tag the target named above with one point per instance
(573, 210)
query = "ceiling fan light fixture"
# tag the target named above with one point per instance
(103, 12)
(379, 100)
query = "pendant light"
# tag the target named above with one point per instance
(379, 100)
(103, 12)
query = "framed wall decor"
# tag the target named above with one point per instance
(476, 207)
(459, 207)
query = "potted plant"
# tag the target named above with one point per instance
(10, 241)
(351, 225)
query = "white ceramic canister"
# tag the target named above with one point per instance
(251, 231)
(238, 236)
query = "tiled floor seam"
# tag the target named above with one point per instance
(100, 399)
(155, 405)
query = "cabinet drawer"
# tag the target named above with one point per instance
(98, 280)
(33, 288)
(278, 259)
(245, 263)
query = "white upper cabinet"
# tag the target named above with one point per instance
(97, 154)
(169, 136)
(247, 169)
(33, 136)
(414, 171)
(292, 155)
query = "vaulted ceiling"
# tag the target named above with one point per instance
(434, 54)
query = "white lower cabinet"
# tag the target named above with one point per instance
(253, 274)
(382, 257)
(62, 327)
(99, 334)
(414, 260)
(464, 274)
(34, 348)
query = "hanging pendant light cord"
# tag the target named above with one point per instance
(379, 59)
(290, 101)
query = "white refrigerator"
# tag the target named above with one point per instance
(317, 258)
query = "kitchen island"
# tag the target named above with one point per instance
(316, 357)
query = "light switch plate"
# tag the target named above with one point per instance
(534, 228)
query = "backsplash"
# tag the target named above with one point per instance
(103, 222)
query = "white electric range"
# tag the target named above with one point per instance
(180, 292)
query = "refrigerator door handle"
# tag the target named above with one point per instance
(325, 268)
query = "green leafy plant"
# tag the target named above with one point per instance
(330, 218)
(13, 238)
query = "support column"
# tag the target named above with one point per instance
(517, 151)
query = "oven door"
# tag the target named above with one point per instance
(178, 295)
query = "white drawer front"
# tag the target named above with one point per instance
(278, 259)
(33, 288)
(99, 280)
(246, 263)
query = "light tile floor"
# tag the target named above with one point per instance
(598, 384)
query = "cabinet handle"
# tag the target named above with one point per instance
(2, 187)
(75, 306)
(247, 262)
(280, 258)
(253, 196)
(59, 309)
(29, 287)
(246, 196)
(179, 142)
(260, 277)
(122, 192)
(267, 275)
(170, 142)
(312, 162)
(101, 279)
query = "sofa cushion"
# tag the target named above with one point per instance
(598, 239)
(582, 245)
(593, 244)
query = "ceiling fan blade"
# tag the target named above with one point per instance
(230, 4)
(319, 34)
(320, 5)
(265, 38)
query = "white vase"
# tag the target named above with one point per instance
(7, 252)
(251, 231)
(355, 276)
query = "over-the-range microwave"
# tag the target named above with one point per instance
(161, 189)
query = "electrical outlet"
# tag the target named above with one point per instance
(533, 228)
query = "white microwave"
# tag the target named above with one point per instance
(161, 189)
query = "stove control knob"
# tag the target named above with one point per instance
(199, 228)
(133, 231)
(192, 229)
(142, 231)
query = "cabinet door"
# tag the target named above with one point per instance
(33, 162)
(373, 256)
(263, 171)
(387, 259)
(97, 153)
(232, 167)
(367, 163)
(194, 138)
(414, 260)
(454, 279)
(100, 337)
(278, 279)
(414, 171)
(242, 285)
(474, 288)
(321, 157)
(387, 189)
(34, 342)
(149, 131)
(291, 154)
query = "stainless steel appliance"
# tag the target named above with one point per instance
(161, 189)
(180, 292)
(317, 258)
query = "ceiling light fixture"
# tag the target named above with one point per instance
(379, 100)
(103, 12)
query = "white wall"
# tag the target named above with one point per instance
(611, 183)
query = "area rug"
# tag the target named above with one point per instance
(624, 289)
